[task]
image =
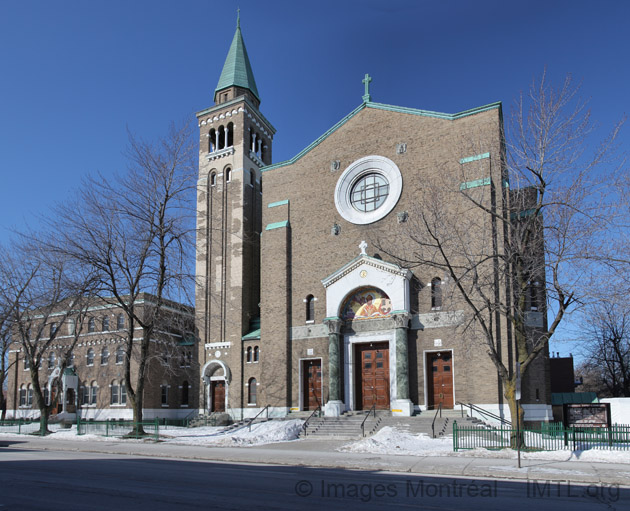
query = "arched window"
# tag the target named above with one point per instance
(251, 392)
(248, 357)
(310, 308)
(105, 356)
(27, 363)
(212, 137)
(52, 358)
(185, 393)
(71, 326)
(252, 178)
(228, 175)
(91, 325)
(213, 179)
(256, 353)
(105, 324)
(120, 322)
(53, 329)
(221, 137)
(89, 357)
(436, 293)
(230, 135)
(70, 360)
(119, 355)
(23, 395)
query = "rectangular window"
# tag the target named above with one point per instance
(85, 395)
(115, 396)
(164, 395)
(123, 394)
(93, 391)
(22, 397)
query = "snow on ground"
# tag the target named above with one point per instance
(393, 441)
(388, 440)
(261, 433)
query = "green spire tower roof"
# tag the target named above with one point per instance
(237, 71)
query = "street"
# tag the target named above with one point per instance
(50, 480)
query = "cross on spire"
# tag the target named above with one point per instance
(366, 81)
(238, 17)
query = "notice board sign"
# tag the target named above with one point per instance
(587, 415)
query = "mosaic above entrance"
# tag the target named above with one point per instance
(367, 303)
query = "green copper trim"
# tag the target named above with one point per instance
(332, 318)
(390, 108)
(279, 203)
(277, 225)
(522, 214)
(476, 183)
(475, 158)
(254, 334)
(237, 70)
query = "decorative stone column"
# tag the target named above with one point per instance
(402, 405)
(334, 407)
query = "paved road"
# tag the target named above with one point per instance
(50, 480)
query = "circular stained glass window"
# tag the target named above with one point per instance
(369, 192)
(368, 189)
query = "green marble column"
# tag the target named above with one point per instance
(335, 369)
(402, 355)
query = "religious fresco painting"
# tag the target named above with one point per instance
(367, 303)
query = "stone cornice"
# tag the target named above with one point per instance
(369, 261)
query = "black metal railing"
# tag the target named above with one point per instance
(373, 409)
(305, 425)
(483, 413)
(249, 423)
(439, 411)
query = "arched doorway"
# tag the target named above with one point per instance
(216, 377)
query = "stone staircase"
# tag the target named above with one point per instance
(348, 426)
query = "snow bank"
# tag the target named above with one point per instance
(392, 441)
(261, 433)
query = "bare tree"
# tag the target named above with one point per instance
(47, 295)
(137, 231)
(519, 251)
(607, 348)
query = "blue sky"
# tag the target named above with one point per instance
(76, 74)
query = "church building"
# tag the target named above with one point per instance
(295, 307)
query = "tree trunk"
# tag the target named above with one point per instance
(516, 439)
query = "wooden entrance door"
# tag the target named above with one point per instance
(218, 396)
(372, 379)
(440, 379)
(311, 384)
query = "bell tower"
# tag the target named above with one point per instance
(235, 142)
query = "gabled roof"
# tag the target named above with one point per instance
(237, 71)
(390, 108)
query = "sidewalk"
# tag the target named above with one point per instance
(322, 453)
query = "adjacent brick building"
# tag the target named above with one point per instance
(93, 383)
(294, 308)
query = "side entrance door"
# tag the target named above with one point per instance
(440, 379)
(218, 396)
(311, 384)
(372, 375)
